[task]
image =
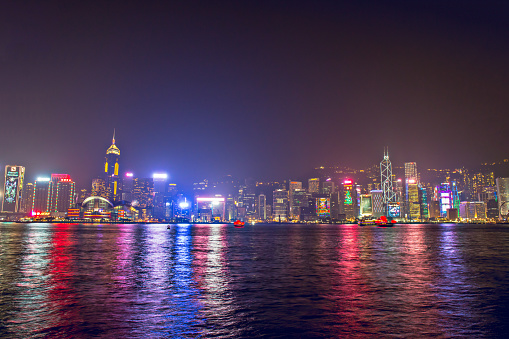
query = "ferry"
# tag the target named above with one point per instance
(367, 222)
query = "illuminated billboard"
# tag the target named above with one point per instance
(12, 188)
(323, 207)
(366, 206)
(394, 210)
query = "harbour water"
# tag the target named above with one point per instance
(286, 281)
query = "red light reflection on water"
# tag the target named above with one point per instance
(349, 289)
(61, 295)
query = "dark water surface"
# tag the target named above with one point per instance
(125, 281)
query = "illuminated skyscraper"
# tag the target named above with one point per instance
(349, 199)
(42, 195)
(143, 192)
(377, 200)
(366, 207)
(63, 192)
(28, 197)
(386, 179)
(280, 205)
(262, 207)
(127, 187)
(111, 171)
(294, 205)
(328, 187)
(314, 185)
(13, 188)
(503, 197)
(99, 188)
(414, 208)
(411, 172)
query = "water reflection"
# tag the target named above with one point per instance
(122, 281)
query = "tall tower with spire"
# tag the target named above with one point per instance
(386, 179)
(111, 169)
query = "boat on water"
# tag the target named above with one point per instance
(238, 224)
(383, 222)
(367, 222)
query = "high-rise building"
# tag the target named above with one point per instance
(472, 210)
(411, 172)
(82, 195)
(127, 187)
(503, 197)
(366, 206)
(423, 201)
(280, 205)
(322, 205)
(386, 179)
(328, 187)
(99, 188)
(262, 207)
(299, 199)
(294, 205)
(349, 199)
(412, 194)
(42, 195)
(447, 196)
(160, 182)
(159, 201)
(63, 193)
(111, 168)
(377, 200)
(28, 197)
(314, 185)
(13, 188)
(143, 192)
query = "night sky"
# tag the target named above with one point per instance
(266, 89)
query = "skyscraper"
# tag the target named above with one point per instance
(143, 192)
(386, 179)
(262, 208)
(411, 172)
(377, 197)
(111, 171)
(13, 188)
(414, 208)
(42, 195)
(127, 187)
(28, 197)
(314, 185)
(280, 205)
(63, 193)
(503, 197)
(349, 199)
(294, 205)
(99, 188)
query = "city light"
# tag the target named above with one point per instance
(129, 174)
(43, 179)
(184, 204)
(210, 199)
(160, 176)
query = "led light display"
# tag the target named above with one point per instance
(12, 188)
(323, 207)
(394, 210)
(348, 198)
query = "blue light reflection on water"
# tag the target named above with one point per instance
(266, 280)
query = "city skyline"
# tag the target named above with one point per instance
(253, 89)
(121, 170)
